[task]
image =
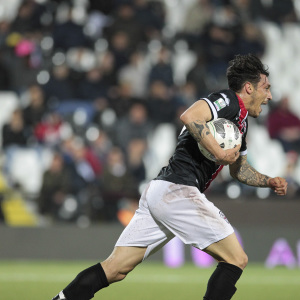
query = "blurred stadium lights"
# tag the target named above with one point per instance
(108, 117)
(80, 117)
(101, 45)
(92, 133)
(66, 131)
(154, 46)
(233, 190)
(43, 77)
(68, 208)
(262, 193)
(181, 46)
(47, 43)
(83, 221)
(58, 58)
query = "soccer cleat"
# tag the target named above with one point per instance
(60, 296)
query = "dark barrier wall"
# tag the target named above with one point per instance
(262, 225)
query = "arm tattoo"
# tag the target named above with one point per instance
(243, 172)
(198, 130)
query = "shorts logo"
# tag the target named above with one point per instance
(223, 216)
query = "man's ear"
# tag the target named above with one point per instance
(249, 88)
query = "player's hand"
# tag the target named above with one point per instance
(231, 155)
(278, 185)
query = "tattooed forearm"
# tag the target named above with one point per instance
(243, 172)
(198, 130)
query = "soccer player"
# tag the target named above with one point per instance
(174, 204)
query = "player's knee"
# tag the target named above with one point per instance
(114, 272)
(121, 273)
(242, 261)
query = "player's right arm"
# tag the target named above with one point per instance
(195, 119)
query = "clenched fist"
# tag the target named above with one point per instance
(279, 185)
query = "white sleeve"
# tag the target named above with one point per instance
(213, 109)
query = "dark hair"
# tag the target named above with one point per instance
(245, 68)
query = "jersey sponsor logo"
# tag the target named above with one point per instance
(219, 104)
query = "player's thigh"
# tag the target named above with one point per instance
(228, 250)
(143, 231)
(121, 261)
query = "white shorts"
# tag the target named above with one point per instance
(166, 210)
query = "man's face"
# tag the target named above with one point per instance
(261, 96)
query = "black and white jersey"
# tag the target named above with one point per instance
(187, 165)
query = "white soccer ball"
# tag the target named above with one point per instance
(225, 132)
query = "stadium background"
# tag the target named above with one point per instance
(71, 71)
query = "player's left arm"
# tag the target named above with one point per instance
(245, 173)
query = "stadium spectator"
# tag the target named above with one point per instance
(87, 163)
(93, 85)
(122, 99)
(36, 107)
(84, 167)
(125, 21)
(25, 61)
(49, 131)
(248, 10)
(60, 86)
(284, 125)
(28, 18)
(120, 49)
(4, 33)
(188, 93)
(219, 49)
(134, 125)
(135, 152)
(14, 132)
(68, 34)
(251, 40)
(136, 74)
(197, 76)
(116, 183)
(161, 103)
(56, 186)
(279, 11)
(101, 146)
(151, 17)
(5, 73)
(196, 19)
(162, 70)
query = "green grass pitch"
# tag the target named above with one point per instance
(41, 280)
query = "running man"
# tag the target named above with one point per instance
(174, 203)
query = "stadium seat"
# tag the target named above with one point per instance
(262, 155)
(81, 112)
(161, 144)
(26, 167)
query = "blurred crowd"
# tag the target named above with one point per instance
(95, 79)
